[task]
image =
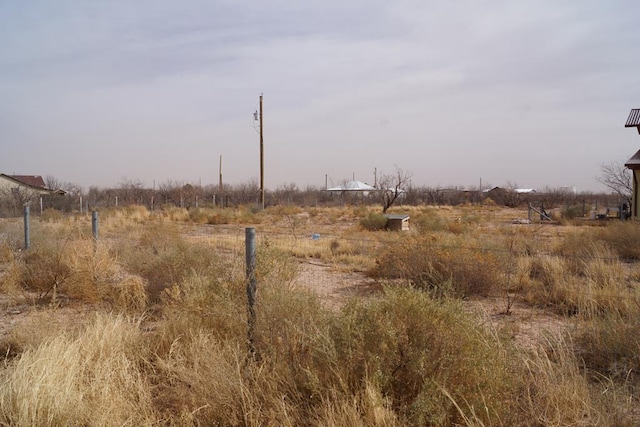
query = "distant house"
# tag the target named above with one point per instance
(352, 187)
(509, 197)
(19, 190)
(25, 183)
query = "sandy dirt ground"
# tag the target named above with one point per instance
(526, 325)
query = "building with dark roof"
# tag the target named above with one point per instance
(634, 162)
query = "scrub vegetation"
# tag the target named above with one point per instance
(148, 326)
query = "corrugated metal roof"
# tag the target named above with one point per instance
(353, 186)
(397, 216)
(634, 118)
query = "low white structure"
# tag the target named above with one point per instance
(353, 186)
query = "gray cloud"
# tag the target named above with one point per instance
(533, 92)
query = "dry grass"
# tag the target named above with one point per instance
(442, 265)
(400, 358)
(94, 378)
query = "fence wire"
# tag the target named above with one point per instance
(329, 264)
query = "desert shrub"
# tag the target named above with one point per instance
(136, 213)
(204, 381)
(591, 287)
(175, 213)
(216, 304)
(441, 267)
(94, 377)
(622, 237)
(555, 391)
(200, 382)
(456, 227)
(43, 271)
(97, 276)
(366, 408)
(220, 216)
(279, 210)
(206, 320)
(198, 215)
(428, 222)
(571, 212)
(6, 251)
(77, 269)
(36, 327)
(291, 337)
(579, 248)
(373, 221)
(249, 215)
(610, 347)
(51, 214)
(164, 258)
(423, 356)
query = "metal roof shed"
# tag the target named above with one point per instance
(397, 222)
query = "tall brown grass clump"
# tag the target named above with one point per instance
(78, 269)
(163, 258)
(622, 237)
(92, 378)
(610, 348)
(433, 362)
(555, 391)
(443, 266)
(586, 277)
(373, 221)
(213, 304)
(98, 276)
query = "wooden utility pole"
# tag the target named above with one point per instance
(220, 184)
(261, 157)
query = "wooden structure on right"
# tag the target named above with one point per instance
(633, 121)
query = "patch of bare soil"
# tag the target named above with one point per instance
(332, 285)
(525, 325)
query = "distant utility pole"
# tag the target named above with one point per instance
(261, 156)
(220, 184)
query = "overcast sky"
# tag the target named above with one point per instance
(532, 92)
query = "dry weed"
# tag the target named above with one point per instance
(93, 378)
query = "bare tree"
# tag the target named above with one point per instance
(391, 187)
(617, 178)
(52, 183)
(131, 191)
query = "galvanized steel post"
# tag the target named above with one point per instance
(27, 229)
(94, 225)
(250, 255)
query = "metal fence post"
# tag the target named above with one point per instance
(27, 229)
(250, 255)
(94, 225)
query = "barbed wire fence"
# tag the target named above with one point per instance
(326, 262)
